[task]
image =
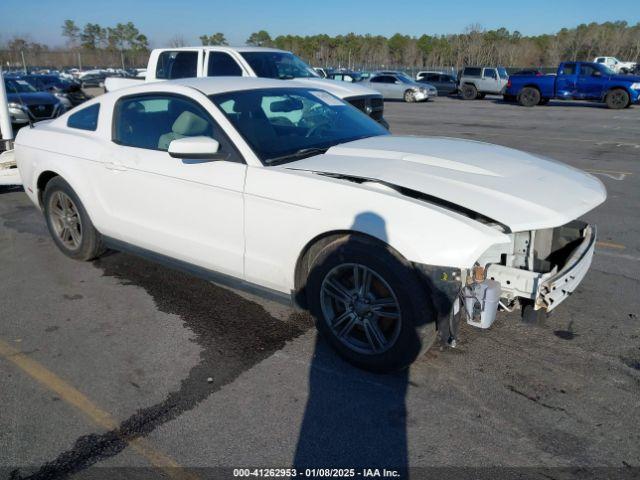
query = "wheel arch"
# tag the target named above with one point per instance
(41, 183)
(531, 85)
(316, 244)
(617, 87)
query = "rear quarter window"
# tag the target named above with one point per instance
(85, 119)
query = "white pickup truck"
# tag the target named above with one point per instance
(616, 65)
(222, 61)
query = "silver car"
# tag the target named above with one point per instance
(399, 86)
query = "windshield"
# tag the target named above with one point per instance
(281, 65)
(286, 124)
(404, 78)
(18, 86)
(503, 72)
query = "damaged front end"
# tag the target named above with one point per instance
(537, 270)
(542, 267)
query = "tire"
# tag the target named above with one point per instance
(64, 210)
(391, 278)
(409, 96)
(469, 92)
(617, 99)
(529, 97)
(481, 96)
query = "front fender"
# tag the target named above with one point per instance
(285, 212)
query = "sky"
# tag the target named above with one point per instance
(160, 20)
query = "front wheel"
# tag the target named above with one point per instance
(409, 96)
(617, 99)
(370, 305)
(469, 92)
(68, 222)
(529, 97)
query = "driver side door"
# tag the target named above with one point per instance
(188, 209)
(591, 83)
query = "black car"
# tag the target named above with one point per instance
(445, 84)
(58, 86)
(93, 80)
(26, 104)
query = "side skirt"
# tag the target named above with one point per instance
(203, 273)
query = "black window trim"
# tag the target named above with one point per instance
(97, 104)
(235, 156)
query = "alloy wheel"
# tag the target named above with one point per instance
(360, 308)
(65, 219)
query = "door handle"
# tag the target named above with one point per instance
(116, 167)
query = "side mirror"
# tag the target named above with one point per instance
(197, 148)
(397, 82)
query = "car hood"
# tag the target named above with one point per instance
(39, 98)
(337, 88)
(520, 190)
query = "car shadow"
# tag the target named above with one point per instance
(353, 418)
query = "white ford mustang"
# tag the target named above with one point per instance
(286, 190)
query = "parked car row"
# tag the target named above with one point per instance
(35, 96)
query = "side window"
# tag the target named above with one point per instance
(586, 70)
(223, 65)
(376, 80)
(490, 73)
(153, 121)
(569, 69)
(433, 77)
(177, 64)
(388, 79)
(472, 72)
(85, 119)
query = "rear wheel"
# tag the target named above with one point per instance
(69, 223)
(617, 99)
(369, 304)
(529, 97)
(469, 92)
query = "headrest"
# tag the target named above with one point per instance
(189, 124)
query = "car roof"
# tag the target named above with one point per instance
(228, 48)
(214, 85)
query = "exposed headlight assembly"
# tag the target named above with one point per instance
(635, 86)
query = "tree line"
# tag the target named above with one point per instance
(475, 46)
(124, 45)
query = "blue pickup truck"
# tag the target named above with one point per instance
(575, 81)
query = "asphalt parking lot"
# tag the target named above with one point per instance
(122, 364)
